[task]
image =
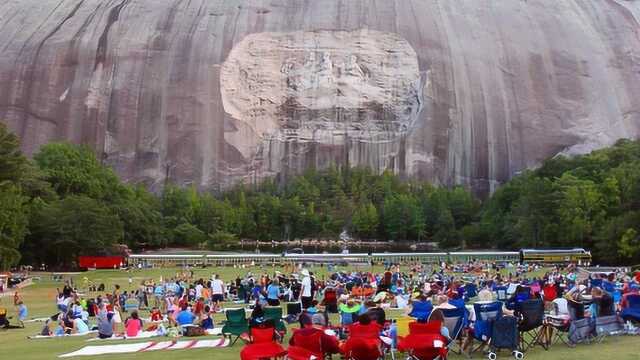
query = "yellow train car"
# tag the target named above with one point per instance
(556, 256)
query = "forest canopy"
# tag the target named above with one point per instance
(65, 203)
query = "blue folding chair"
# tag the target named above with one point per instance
(486, 315)
(632, 311)
(470, 291)
(501, 293)
(421, 310)
(454, 322)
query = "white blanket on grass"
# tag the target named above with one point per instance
(146, 346)
(150, 334)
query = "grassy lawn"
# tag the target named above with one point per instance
(40, 300)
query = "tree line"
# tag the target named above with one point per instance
(64, 203)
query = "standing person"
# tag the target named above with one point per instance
(22, 313)
(273, 293)
(217, 293)
(305, 291)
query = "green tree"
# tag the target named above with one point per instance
(365, 221)
(188, 235)
(73, 226)
(73, 169)
(13, 224)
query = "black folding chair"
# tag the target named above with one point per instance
(531, 324)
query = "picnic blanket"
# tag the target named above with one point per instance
(65, 335)
(94, 350)
(150, 334)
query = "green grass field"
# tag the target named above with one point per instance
(40, 300)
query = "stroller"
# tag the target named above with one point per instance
(505, 335)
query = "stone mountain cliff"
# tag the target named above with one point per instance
(214, 92)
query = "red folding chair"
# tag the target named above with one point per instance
(306, 345)
(360, 348)
(263, 345)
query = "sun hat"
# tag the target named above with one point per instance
(304, 272)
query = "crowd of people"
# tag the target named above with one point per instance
(184, 304)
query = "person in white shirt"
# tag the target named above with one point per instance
(199, 288)
(305, 291)
(217, 292)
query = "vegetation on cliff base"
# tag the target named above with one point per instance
(65, 203)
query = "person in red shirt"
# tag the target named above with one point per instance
(156, 315)
(198, 307)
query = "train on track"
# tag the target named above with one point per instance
(525, 256)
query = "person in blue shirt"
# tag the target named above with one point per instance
(185, 317)
(22, 313)
(273, 293)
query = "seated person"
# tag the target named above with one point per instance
(106, 325)
(365, 328)
(185, 317)
(156, 315)
(80, 327)
(257, 315)
(133, 325)
(313, 308)
(377, 314)
(207, 320)
(46, 329)
(313, 324)
(603, 303)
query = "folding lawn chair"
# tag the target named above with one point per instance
(470, 291)
(357, 348)
(486, 314)
(581, 329)
(421, 310)
(632, 311)
(306, 345)
(236, 324)
(501, 293)
(131, 305)
(274, 313)
(531, 324)
(293, 312)
(454, 322)
(263, 345)
(608, 326)
(505, 335)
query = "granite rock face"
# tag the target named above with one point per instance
(214, 92)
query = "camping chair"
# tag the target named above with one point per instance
(486, 314)
(531, 325)
(131, 304)
(262, 345)
(501, 293)
(424, 342)
(357, 348)
(421, 310)
(505, 335)
(293, 312)
(236, 324)
(608, 326)
(470, 291)
(581, 329)
(454, 322)
(632, 311)
(306, 346)
(274, 313)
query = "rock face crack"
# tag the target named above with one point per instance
(101, 51)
